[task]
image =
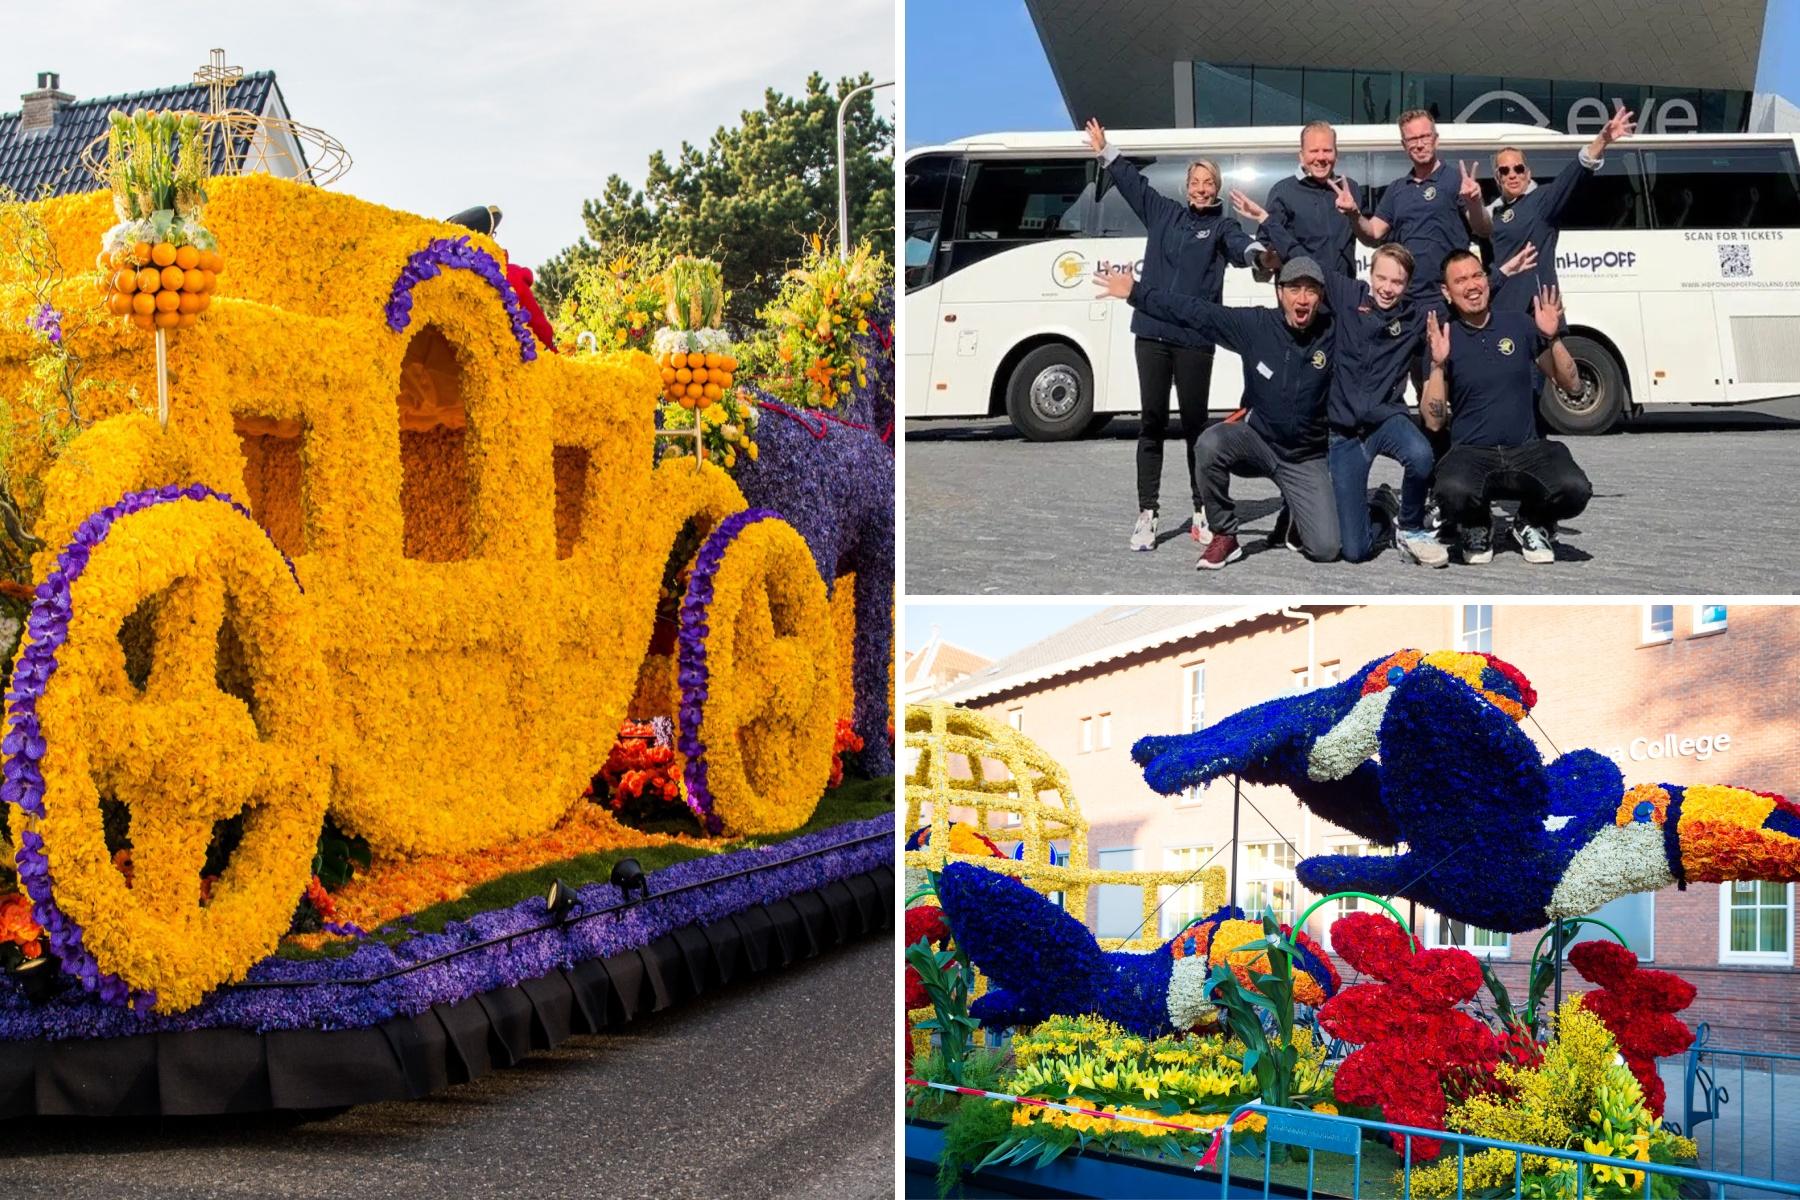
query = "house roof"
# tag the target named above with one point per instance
(50, 159)
(1112, 633)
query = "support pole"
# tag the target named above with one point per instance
(1237, 797)
(162, 377)
(842, 174)
(1556, 964)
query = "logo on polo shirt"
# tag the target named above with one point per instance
(1393, 329)
(1506, 345)
(1318, 360)
(1202, 233)
(1506, 216)
(1431, 192)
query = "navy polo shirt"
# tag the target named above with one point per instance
(1492, 379)
(1425, 215)
(1304, 219)
(1287, 372)
(1186, 249)
(1535, 217)
(1375, 348)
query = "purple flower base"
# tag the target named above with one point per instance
(336, 994)
(456, 254)
(24, 745)
(690, 661)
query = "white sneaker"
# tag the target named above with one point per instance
(1143, 534)
(1423, 547)
(1534, 543)
(1199, 530)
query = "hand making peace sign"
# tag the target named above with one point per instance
(1470, 188)
(1346, 199)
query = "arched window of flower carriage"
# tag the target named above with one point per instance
(274, 480)
(571, 467)
(437, 478)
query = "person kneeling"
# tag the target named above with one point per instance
(1483, 387)
(1287, 354)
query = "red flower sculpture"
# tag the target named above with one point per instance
(1638, 1007)
(1412, 1042)
(923, 921)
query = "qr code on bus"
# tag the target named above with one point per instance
(1734, 260)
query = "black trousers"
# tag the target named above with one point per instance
(1541, 475)
(1190, 369)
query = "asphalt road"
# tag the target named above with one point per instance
(1693, 501)
(783, 1086)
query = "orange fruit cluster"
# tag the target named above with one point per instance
(696, 380)
(161, 286)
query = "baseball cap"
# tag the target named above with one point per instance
(1303, 267)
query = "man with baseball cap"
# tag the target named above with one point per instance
(1287, 353)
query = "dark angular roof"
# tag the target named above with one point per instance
(51, 158)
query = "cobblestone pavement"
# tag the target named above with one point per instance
(1694, 501)
(782, 1086)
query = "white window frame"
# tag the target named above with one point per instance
(1087, 735)
(1702, 627)
(1648, 635)
(1362, 848)
(1595, 933)
(1463, 631)
(1434, 925)
(1016, 718)
(1245, 878)
(1175, 859)
(1776, 958)
(1192, 720)
(1106, 731)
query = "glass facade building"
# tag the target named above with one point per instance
(1226, 95)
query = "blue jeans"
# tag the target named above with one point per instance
(1350, 459)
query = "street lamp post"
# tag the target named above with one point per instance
(843, 180)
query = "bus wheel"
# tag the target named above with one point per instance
(1050, 396)
(1602, 399)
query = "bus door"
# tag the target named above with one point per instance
(932, 183)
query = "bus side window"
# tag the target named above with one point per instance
(1613, 199)
(1724, 187)
(927, 180)
(1116, 218)
(1026, 201)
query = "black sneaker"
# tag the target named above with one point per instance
(1477, 544)
(1384, 506)
(1281, 534)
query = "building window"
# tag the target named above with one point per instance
(1346, 905)
(1087, 735)
(1269, 883)
(1482, 943)
(1329, 673)
(1106, 731)
(1120, 907)
(1186, 901)
(1709, 618)
(1659, 623)
(1634, 916)
(1016, 718)
(1475, 632)
(1756, 922)
(1301, 681)
(1193, 716)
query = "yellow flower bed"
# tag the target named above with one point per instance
(480, 540)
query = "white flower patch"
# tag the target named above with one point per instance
(1618, 862)
(1351, 741)
(1188, 1005)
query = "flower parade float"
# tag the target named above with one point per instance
(1420, 749)
(388, 573)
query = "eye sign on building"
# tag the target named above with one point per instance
(1589, 114)
(1668, 745)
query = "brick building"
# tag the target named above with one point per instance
(1678, 693)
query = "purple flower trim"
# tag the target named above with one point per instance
(24, 745)
(456, 253)
(690, 662)
(327, 996)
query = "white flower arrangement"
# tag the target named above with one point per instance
(1351, 741)
(706, 341)
(1188, 1005)
(1618, 862)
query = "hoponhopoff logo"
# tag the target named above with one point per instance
(1599, 260)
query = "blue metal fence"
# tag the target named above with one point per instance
(1314, 1132)
(1709, 1099)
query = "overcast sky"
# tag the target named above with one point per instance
(527, 104)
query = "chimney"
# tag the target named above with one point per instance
(42, 105)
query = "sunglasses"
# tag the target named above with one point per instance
(1518, 170)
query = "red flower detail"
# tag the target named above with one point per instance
(923, 921)
(1527, 694)
(1414, 1047)
(1638, 1007)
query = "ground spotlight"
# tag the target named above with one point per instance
(628, 877)
(561, 901)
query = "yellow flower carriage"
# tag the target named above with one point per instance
(477, 540)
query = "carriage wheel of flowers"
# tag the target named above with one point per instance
(179, 753)
(758, 691)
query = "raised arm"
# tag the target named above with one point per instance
(1212, 321)
(1434, 399)
(1481, 222)
(1240, 249)
(1524, 262)
(1370, 231)
(1547, 311)
(1562, 189)
(1269, 254)
(1150, 205)
(1343, 294)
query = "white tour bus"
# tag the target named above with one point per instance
(1680, 264)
